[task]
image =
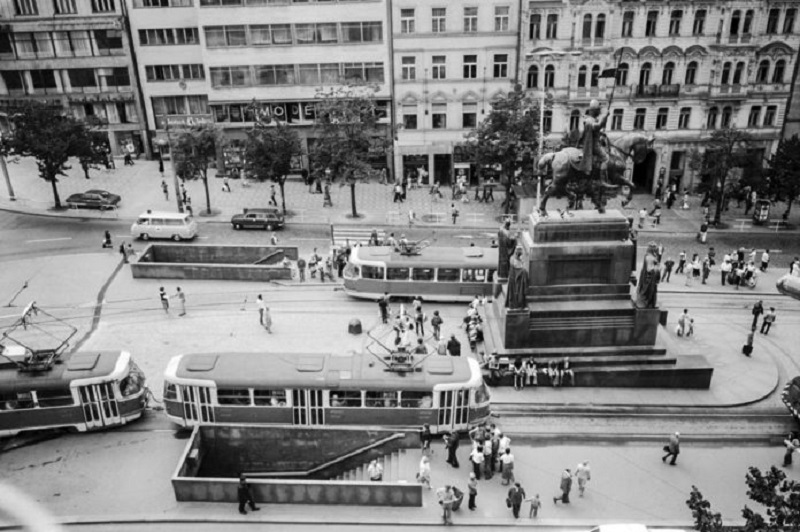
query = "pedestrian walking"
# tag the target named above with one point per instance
(424, 473)
(765, 260)
(703, 234)
(398, 193)
(273, 200)
(769, 319)
(273, 239)
(673, 448)
(262, 306)
(642, 217)
(506, 465)
(425, 438)
(226, 185)
(184, 195)
(688, 275)
(375, 471)
(165, 189)
(747, 348)
(436, 324)
(565, 486)
(476, 459)
(681, 262)
(584, 474)
(514, 499)
(326, 198)
(162, 295)
(187, 203)
(301, 269)
(106, 243)
(758, 310)
(792, 445)
(454, 212)
(267, 320)
(725, 269)
(123, 252)
(453, 346)
(536, 503)
(668, 265)
(451, 444)
(383, 306)
(245, 495)
(181, 297)
(419, 322)
(446, 498)
(472, 489)
(706, 269)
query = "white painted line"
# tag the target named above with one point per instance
(309, 239)
(48, 240)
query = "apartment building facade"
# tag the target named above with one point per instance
(207, 61)
(683, 70)
(75, 55)
(451, 59)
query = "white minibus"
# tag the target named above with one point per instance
(154, 224)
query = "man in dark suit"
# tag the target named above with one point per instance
(453, 346)
(245, 495)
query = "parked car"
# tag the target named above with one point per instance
(93, 199)
(632, 528)
(268, 218)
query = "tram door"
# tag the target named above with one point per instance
(197, 405)
(99, 405)
(453, 409)
(307, 407)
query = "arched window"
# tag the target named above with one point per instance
(726, 73)
(587, 27)
(737, 74)
(735, 20)
(711, 123)
(747, 27)
(762, 74)
(622, 74)
(727, 113)
(595, 75)
(691, 73)
(582, 76)
(549, 76)
(666, 74)
(533, 76)
(777, 74)
(600, 27)
(574, 120)
(644, 74)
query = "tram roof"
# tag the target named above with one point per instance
(462, 257)
(68, 367)
(318, 370)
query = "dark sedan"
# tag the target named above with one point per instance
(93, 199)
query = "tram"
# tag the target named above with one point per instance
(791, 397)
(359, 389)
(435, 274)
(81, 391)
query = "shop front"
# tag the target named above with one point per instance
(415, 165)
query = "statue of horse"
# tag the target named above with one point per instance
(569, 179)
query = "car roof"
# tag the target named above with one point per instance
(97, 191)
(267, 210)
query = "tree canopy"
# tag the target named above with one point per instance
(195, 150)
(726, 149)
(784, 173)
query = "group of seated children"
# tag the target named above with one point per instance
(555, 373)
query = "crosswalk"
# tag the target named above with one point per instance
(342, 236)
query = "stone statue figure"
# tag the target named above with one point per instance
(649, 277)
(516, 298)
(505, 248)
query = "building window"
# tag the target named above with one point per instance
(221, 36)
(316, 33)
(726, 73)
(644, 75)
(409, 67)
(174, 72)
(552, 27)
(737, 73)
(439, 67)
(582, 76)
(762, 74)
(772, 20)
(622, 74)
(595, 75)
(26, 7)
(438, 20)
(684, 117)
(163, 3)
(661, 118)
(180, 105)
(666, 73)
(627, 24)
(362, 32)
(470, 19)
(769, 116)
(711, 122)
(727, 113)
(64, 7)
(735, 19)
(547, 122)
(500, 65)
(501, 18)
(439, 115)
(533, 77)
(650, 26)
(470, 66)
(616, 119)
(44, 80)
(469, 115)
(747, 28)
(675, 22)
(169, 36)
(639, 117)
(587, 27)
(574, 120)
(754, 117)
(691, 73)
(535, 27)
(102, 6)
(777, 74)
(268, 75)
(239, 76)
(788, 21)
(549, 76)
(600, 27)
(407, 21)
(370, 72)
(410, 116)
(699, 22)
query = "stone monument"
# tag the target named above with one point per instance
(577, 303)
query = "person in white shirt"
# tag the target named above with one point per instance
(477, 457)
(375, 471)
(507, 467)
(765, 260)
(584, 474)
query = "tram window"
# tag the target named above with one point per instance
(490, 274)
(416, 400)
(269, 397)
(474, 276)
(381, 399)
(17, 402)
(422, 274)
(372, 272)
(235, 397)
(132, 384)
(54, 398)
(344, 399)
(397, 274)
(170, 391)
(449, 275)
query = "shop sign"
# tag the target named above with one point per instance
(179, 121)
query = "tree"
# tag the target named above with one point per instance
(784, 173)
(704, 519)
(725, 150)
(196, 149)
(347, 129)
(92, 150)
(49, 136)
(508, 137)
(269, 149)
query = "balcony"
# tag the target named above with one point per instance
(655, 91)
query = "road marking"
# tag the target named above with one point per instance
(48, 240)
(310, 239)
